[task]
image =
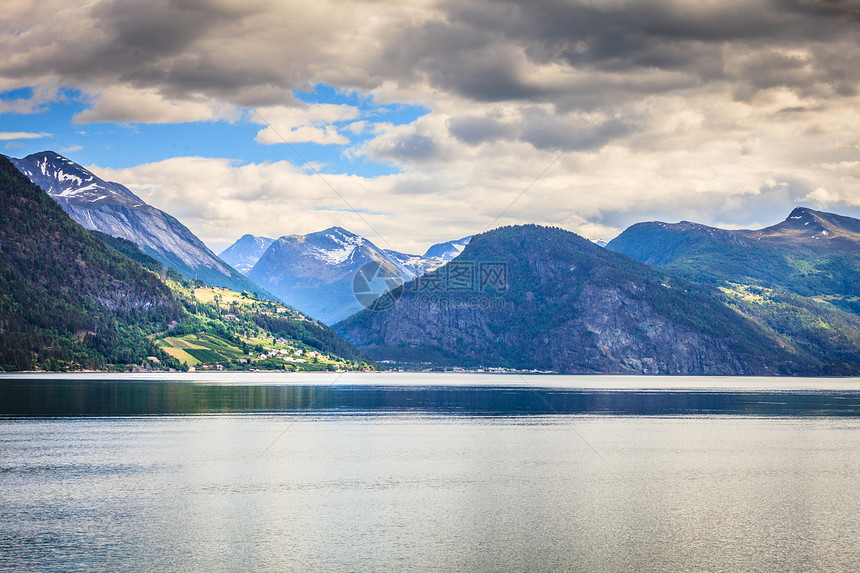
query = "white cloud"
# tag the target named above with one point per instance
(714, 111)
(307, 123)
(357, 127)
(10, 135)
(42, 94)
(308, 114)
(826, 198)
(323, 135)
(128, 104)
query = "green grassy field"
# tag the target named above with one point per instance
(224, 329)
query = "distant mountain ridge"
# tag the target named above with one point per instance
(245, 252)
(113, 209)
(448, 250)
(809, 253)
(568, 306)
(805, 225)
(798, 279)
(315, 272)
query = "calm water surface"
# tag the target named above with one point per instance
(416, 473)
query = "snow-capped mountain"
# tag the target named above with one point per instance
(65, 180)
(315, 272)
(244, 253)
(444, 252)
(113, 209)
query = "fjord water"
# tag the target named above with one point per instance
(429, 472)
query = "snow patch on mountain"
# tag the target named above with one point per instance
(113, 209)
(61, 177)
(446, 251)
(315, 272)
(337, 246)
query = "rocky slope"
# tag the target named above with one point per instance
(531, 297)
(113, 209)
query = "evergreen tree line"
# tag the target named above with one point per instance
(67, 300)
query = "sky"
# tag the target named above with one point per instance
(418, 121)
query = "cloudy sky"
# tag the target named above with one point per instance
(416, 121)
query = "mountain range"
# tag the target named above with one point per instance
(662, 298)
(571, 306)
(113, 209)
(810, 253)
(798, 279)
(565, 305)
(71, 298)
(315, 272)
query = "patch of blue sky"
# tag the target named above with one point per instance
(18, 93)
(349, 210)
(120, 145)
(50, 120)
(334, 158)
(371, 111)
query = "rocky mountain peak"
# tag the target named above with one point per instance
(112, 209)
(807, 225)
(65, 180)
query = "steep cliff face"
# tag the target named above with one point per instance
(614, 330)
(542, 298)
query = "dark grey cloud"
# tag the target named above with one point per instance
(412, 147)
(476, 130)
(844, 9)
(546, 134)
(602, 54)
(168, 45)
(823, 70)
(659, 46)
(542, 129)
(164, 44)
(127, 39)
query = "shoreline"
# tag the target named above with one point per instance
(489, 379)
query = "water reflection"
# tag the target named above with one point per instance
(429, 493)
(61, 398)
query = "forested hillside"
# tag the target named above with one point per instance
(66, 299)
